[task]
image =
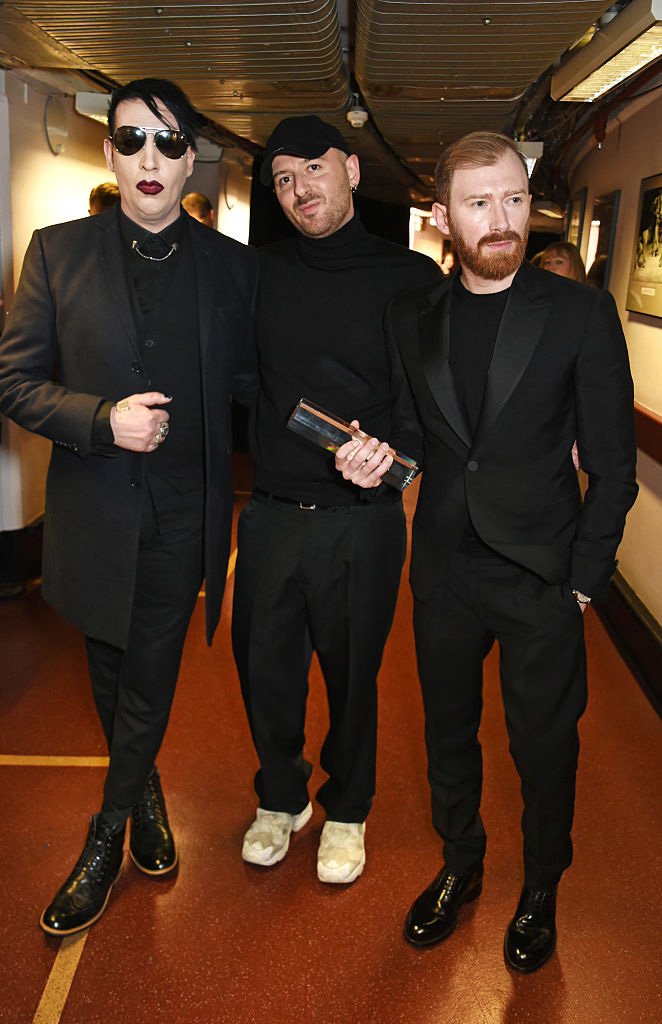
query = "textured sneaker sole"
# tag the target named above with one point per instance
(331, 876)
(264, 860)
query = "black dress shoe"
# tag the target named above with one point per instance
(152, 844)
(531, 935)
(433, 915)
(82, 899)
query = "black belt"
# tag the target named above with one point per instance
(300, 504)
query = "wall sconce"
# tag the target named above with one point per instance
(626, 45)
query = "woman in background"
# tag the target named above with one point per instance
(563, 258)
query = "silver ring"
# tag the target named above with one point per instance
(161, 433)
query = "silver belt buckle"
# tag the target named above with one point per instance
(308, 508)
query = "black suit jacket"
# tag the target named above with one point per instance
(559, 372)
(70, 343)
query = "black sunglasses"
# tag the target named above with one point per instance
(128, 140)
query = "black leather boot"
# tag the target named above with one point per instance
(433, 915)
(152, 844)
(531, 935)
(82, 899)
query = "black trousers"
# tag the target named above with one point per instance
(540, 633)
(134, 688)
(322, 580)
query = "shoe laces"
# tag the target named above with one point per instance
(151, 806)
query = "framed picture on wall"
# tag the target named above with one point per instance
(645, 287)
(575, 218)
(601, 238)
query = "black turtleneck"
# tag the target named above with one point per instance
(321, 337)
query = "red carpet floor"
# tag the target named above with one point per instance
(226, 943)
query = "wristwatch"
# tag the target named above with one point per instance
(581, 598)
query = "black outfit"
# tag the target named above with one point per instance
(501, 537)
(319, 561)
(129, 536)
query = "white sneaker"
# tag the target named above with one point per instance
(341, 854)
(268, 839)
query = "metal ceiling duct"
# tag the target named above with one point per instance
(429, 72)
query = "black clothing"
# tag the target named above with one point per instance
(321, 337)
(329, 578)
(558, 371)
(326, 577)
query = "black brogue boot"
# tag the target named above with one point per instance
(152, 844)
(434, 914)
(531, 935)
(82, 899)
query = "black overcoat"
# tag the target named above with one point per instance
(70, 342)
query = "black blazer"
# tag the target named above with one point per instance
(70, 343)
(559, 372)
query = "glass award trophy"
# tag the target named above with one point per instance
(327, 431)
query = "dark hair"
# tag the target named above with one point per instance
(104, 195)
(569, 250)
(477, 149)
(149, 90)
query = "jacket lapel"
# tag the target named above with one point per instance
(202, 259)
(519, 332)
(109, 243)
(434, 335)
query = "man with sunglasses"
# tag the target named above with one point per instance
(128, 335)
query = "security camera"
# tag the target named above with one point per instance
(357, 117)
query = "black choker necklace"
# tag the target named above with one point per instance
(155, 259)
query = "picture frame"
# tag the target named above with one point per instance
(645, 284)
(575, 218)
(604, 217)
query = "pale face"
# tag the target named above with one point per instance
(150, 184)
(487, 219)
(315, 195)
(559, 263)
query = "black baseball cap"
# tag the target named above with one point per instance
(307, 137)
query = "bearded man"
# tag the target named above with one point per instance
(319, 559)
(507, 365)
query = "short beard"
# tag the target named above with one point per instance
(491, 266)
(335, 210)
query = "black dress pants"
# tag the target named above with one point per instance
(540, 633)
(325, 580)
(134, 688)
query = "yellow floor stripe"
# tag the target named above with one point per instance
(59, 981)
(37, 761)
(232, 561)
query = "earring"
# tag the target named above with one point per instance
(354, 188)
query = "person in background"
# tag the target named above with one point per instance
(102, 197)
(197, 205)
(505, 363)
(564, 259)
(319, 561)
(128, 335)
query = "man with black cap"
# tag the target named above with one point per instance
(128, 334)
(319, 560)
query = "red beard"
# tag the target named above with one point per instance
(492, 266)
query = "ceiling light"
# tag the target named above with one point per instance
(627, 44)
(94, 105)
(547, 208)
(532, 152)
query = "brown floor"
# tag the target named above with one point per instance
(225, 943)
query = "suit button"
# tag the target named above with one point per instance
(472, 465)
(136, 368)
(149, 342)
(135, 483)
